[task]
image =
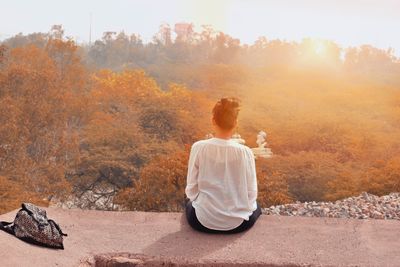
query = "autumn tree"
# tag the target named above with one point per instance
(36, 145)
(273, 187)
(161, 186)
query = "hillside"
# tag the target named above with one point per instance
(115, 117)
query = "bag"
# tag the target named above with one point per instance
(31, 225)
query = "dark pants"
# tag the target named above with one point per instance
(195, 224)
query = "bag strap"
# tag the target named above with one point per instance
(3, 227)
(57, 226)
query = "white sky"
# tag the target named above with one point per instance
(347, 22)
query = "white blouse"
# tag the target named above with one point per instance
(221, 182)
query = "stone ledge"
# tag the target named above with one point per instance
(104, 238)
(141, 260)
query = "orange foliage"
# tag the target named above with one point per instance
(161, 186)
(332, 116)
(38, 137)
(12, 195)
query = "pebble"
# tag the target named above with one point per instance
(364, 206)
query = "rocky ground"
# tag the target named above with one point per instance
(364, 206)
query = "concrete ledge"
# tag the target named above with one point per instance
(129, 259)
(101, 238)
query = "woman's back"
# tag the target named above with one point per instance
(222, 182)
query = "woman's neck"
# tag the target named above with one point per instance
(223, 135)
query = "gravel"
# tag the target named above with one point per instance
(364, 206)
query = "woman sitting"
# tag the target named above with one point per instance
(221, 179)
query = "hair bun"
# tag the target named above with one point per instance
(225, 112)
(229, 102)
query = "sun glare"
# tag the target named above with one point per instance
(319, 47)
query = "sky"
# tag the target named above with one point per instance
(347, 22)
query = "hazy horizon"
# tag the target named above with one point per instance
(348, 23)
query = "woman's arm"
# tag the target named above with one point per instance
(251, 178)
(192, 189)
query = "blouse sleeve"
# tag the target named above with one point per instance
(251, 177)
(192, 189)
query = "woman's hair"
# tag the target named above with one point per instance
(226, 111)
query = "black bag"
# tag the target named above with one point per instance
(31, 225)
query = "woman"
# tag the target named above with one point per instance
(221, 179)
